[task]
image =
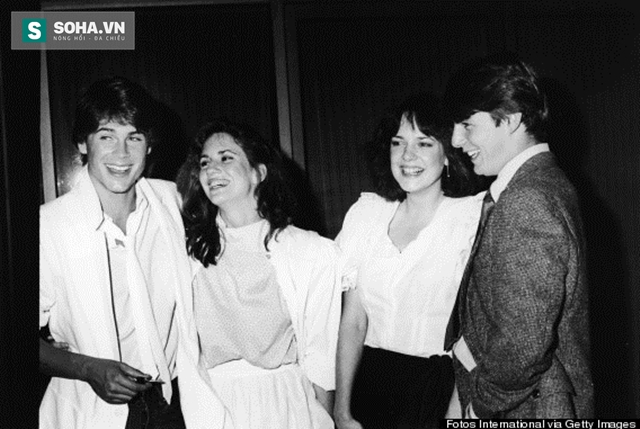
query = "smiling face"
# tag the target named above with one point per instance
(416, 159)
(226, 176)
(486, 143)
(116, 156)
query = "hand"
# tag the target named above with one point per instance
(57, 344)
(114, 381)
(325, 397)
(347, 423)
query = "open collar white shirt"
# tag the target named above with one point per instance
(75, 292)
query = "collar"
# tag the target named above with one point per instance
(89, 202)
(510, 168)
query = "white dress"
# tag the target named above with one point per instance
(248, 340)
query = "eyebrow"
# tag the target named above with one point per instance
(223, 151)
(419, 137)
(112, 130)
(220, 152)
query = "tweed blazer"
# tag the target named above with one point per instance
(525, 317)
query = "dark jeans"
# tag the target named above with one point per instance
(149, 410)
(396, 391)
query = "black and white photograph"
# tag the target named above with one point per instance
(316, 214)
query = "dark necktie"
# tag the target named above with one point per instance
(455, 320)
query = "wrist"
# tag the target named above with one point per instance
(342, 415)
(84, 365)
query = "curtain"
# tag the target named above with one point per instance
(355, 70)
(357, 62)
(200, 62)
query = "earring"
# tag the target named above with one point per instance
(447, 166)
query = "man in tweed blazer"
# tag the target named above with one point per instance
(520, 330)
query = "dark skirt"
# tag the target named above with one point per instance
(393, 390)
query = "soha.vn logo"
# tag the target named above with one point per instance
(34, 30)
(70, 30)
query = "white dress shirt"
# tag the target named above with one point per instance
(75, 290)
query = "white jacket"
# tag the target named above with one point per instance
(75, 296)
(307, 270)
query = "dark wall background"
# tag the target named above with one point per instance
(357, 61)
(200, 62)
(20, 195)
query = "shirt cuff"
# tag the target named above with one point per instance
(469, 413)
(320, 372)
(464, 355)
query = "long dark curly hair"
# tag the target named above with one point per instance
(275, 202)
(426, 111)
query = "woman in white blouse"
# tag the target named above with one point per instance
(405, 248)
(262, 316)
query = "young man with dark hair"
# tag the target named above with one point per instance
(111, 253)
(519, 330)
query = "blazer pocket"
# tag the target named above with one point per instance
(557, 405)
(554, 395)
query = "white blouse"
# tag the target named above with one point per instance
(239, 309)
(408, 295)
(306, 267)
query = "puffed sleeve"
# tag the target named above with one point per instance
(352, 238)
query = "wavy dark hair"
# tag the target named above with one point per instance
(426, 111)
(499, 84)
(115, 98)
(275, 202)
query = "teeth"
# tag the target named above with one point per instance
(412, 170)
(473, 154)
(215, 184)
(118, 168)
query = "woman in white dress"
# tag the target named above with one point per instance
(405, 248)
(265, 305)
